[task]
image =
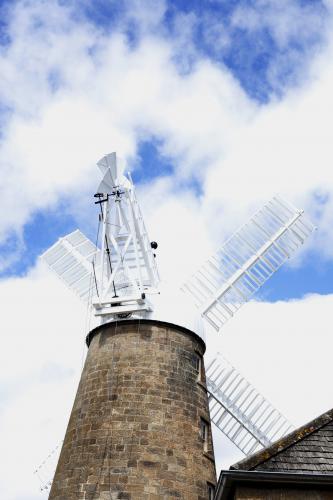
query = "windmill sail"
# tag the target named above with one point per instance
(247, 260)
(240, 411)
(71, 258)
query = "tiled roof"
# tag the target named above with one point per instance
(307, 449)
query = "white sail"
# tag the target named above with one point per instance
(247, 260)
(240, 411)
(71, 258)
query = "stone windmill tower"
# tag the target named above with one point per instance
(140, 427)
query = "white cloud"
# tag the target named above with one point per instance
(114, 95)
(285, 149)
(40, 362)
(179, 227)
(109, 96)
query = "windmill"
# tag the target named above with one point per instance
(118, 277)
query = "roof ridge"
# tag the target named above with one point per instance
(284, 443)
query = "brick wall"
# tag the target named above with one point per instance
(134, 431)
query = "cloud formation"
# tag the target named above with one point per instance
(84, 91)
(72, 90)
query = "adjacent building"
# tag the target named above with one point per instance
(298, 466)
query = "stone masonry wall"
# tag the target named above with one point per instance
(134, 431)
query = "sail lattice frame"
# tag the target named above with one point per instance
(240, 411)
(72, 258)
(247, 260)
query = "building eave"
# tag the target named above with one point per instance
(230, 479)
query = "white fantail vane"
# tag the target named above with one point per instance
(119, 277)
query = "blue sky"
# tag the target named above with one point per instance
(248, 55)
(266, 65)
(215, 106)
